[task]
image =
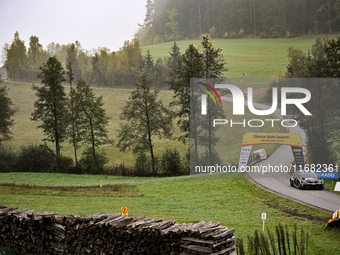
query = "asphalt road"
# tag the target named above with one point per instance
(279, 182)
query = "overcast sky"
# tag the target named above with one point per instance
(91, 22)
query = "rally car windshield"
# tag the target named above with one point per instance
(309, 175)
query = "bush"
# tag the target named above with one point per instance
(241, 33)
(87, 162)
(65, 164)
(8, 160)
(35, 158)
(120, 170)
(213, 32)
(232, 34)
(143, 165)
(171, 162)
(186, 164)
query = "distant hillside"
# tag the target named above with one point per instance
(258, 58)
(168, 20)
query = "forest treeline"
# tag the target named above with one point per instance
(168, 20)
(98, 67)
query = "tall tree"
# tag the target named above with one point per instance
(213, 66)
(149, 65)
(173, 24)
(91, 118)
(36, 56)
(321, 127)
(150, 9)
(72, 57)
(174, 54)
(72, 134)
(190, 65)
(51, 106)
(145, 118)
(103, 64)
(6, 115)
(35, 46)
(16, 58)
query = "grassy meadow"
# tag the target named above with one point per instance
(258, 58)
(235, 203)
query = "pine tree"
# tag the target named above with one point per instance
(72, 57)
(149, 65)
(214, 66)
(174, 54)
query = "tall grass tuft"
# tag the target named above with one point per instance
(7, 251)
(260, 244)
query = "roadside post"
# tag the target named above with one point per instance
(263, 217)
(101, 184)
(337, 186)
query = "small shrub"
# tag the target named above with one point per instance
(171, 162)
(65, 164)
(88, 164)
(75, 170)
(213, 32)
(119, 170)
(143, 165)
(232, 34)
(186, 163)
(126, 171)
(7, 250)
(241, 33)
(35, 158)
(8, 160)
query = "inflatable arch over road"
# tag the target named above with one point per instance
(251, 139)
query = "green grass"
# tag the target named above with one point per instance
(112, 190)
(330, 185)
(258, 58)
(234, 203)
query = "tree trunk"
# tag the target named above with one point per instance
(210, 134)
(199, 17)
(193, 121)
(152, 156)
(329, 18)
(73, 128)
(93, 145)
(255, 32)
(150, 141)
(56, 129)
